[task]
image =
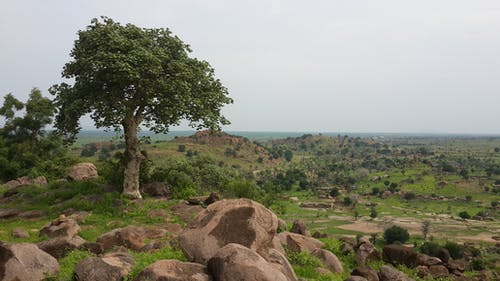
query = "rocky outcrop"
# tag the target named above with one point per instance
(174, 270)
(61, 227)
(110, 267)
(237, 262)
(82, 171)
(24, 261)
(329, 260)
(240, 221)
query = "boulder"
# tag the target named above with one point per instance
(299, 227)
(186, 212)
(299, 243)
(278, 260)
(456, 265)
(174, 270)
(356, 278)
(20, 233)
(33, 214)
(8, 213)
(129, 237)
(82, 171)
(397, 254)
(329, 260)
(212, 198)
(366, 252)
(237, 262)
(386, 194)
(156, 189)
(426, 260)
(422, 271)
(347, 245)
(276, 244)
(61, 227)
(443, 255)
(92, 247)
(389, 273)
(25, 181)
(197, 200)
(366, 272)
(438, 271)
(110, 267)
(318, 234)
(60, 246)
(240, 221)
(24, 261)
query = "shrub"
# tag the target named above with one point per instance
(430, 248)
(242, 189)
(373, 213)
(456, 251)
(181, 148)
(375, 190)
(478, 264)
(464, 215)
(334, 192)
(409, 196)
(396, 233)
(347, 201)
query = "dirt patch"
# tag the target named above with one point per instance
(363, 226)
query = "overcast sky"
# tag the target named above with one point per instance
(322, 66)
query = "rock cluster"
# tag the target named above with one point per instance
(425, 265)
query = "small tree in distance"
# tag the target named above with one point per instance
(426, 228)
(126, 77)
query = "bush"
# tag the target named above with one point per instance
(430, 248)
(347, 201)
(396, 233)
(375, 191)
(464, 215)
(478, 264)
(242, 189)
(456, 251)
(409, 196)
(334, 192)
(181, 148)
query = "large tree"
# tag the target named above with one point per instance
(126, 77)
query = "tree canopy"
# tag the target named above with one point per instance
(125, 76)
(26, 148)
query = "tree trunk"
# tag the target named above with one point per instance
(133, 158)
